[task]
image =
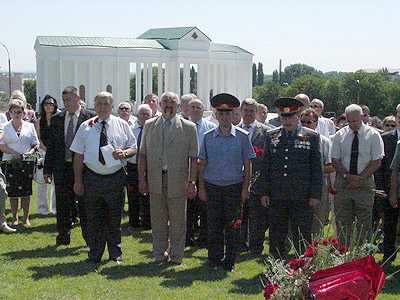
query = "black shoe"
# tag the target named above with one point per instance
(146, 226)
(201, 243)
(228, 267)
(93, 260)
(212, 264)
(75, 223)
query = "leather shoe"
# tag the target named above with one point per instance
(6, 229)
(57, 245)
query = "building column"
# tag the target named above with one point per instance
(75, 74)
(145, 92)
(160, 80)
(220, 78)
(149, 78)
(138, 84)
(200, 81)
(102, 76)
(128, 80)
(206, 84)
(89, 98)
(186, 78)
(59, 73)
(116, 79)
(177, 79)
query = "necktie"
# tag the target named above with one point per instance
(166, 131)
(69, 137)
(289, 135)
(139, 139)
(354, 155)
(103, 141)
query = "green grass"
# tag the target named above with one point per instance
(30, 269)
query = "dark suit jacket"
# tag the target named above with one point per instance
(292, 169)
(55, 155)
(382, 175)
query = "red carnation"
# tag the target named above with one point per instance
(343, 249)
(235, 224)
(332, 191)
(92, 122)
(297, 263)
(255, 148)
(311, 251)
(270, 289)
(260, 152)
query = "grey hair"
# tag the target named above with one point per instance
(144, 107)
(353, 108)
(316, 100)
(170, 95)
(249, 101)
(126, 102)
(103, 95)
(186, 98)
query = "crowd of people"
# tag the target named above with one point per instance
(218, 181)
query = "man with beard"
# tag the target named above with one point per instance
(168, 158)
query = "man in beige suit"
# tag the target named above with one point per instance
(168, 156)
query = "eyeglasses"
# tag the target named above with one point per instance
(48, 104)
(124, 108)
(342, 123)
(309, 122)
(16, 112)
(390, 125)
(315, 106)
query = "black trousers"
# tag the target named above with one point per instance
(258, 224)
(104, 200)
(223, 209)
(67, 203)
(136, 200)
(391, 218)
(300, 215)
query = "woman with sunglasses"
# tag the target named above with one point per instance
(48, 107)
(19, 138)
(389, 123)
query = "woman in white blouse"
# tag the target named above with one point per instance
(19, 138)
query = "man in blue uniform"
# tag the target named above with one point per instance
(291, 180)
(224, 177)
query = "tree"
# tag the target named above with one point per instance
(260, 74)
(275, 76)
(306, 84)
(297, 70)
(267, 93)
(254, 75)
(333, 96)
(30, 92)
(193, 81)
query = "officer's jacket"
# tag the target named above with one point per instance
(292, 167)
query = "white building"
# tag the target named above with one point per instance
(94, 64)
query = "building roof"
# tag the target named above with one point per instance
(107, 42)
(214, 47)
(172, 33)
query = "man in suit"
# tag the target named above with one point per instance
(291, 179)
(254, 221)
(383, 181)
(168, 156)
(58, 164)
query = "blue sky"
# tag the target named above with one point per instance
(328, 35)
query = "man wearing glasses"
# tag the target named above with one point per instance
(325, 126)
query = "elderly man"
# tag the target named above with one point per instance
(254, 221)
(309, 119)
(136, 200)
(291, 180)
(184, 106)
(58, 164)
(325, 126)
(125, 110)
(100, 145)
(262, 113)
(196, 209)
(168, 156)
(152, 101)
(357, 151)
(224, 178)
(303, 98)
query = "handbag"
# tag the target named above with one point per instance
(39, 166)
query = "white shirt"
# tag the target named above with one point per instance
(212, 119)
(250, 130)
(68, 118)
(203, 125)
(3, 118)
(87, 141)
(326, 146)
(325, 127)
(26, 140)
(370, 146)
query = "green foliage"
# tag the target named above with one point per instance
(307, 84)
(298, 70)
(267, 93)
(30, 92)
(260, 74)
(254, 74)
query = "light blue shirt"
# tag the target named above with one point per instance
(203, 125)
(225, 155)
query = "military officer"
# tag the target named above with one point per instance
(291, 180)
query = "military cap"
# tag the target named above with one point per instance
(288, 107)
(224, 102)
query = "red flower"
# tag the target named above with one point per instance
(235, 224)
(92, 122)
(311, 251)
(255, 148)
(270, 289)
(260, 152)
(330, 241)
(314, 243)
(332, 191)
(343, 249)
(297, 263)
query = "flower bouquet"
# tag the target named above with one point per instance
(326, 271)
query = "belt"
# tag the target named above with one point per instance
(101, 175)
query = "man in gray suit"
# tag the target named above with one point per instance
(254, 221)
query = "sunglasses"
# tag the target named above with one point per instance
(316, 106)
(309, 122)
(390, 125)
(48, 104)
(16, 112)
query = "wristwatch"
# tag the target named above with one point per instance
(344, 175)
(193, 182)
(125, 154)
